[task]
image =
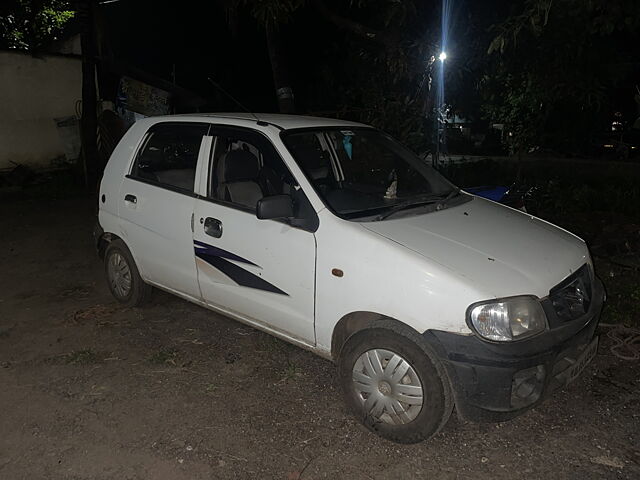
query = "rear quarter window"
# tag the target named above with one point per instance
(169, 155)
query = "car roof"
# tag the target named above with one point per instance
(282, 121)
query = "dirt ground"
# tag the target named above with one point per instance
(92, 390)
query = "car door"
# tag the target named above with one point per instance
(156, 205)
(261, 270)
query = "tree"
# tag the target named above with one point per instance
(32, 24)
(554, 67)
(380, 58)
(271, 14)
(387, 57)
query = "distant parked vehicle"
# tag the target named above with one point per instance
(334, 237)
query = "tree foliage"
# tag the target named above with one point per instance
(386, 82)
(554, 67)
(30, 24)
(271, 13)
(379, 53)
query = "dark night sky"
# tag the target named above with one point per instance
(154, 36)
(195, 37)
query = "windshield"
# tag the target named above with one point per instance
(362, 172)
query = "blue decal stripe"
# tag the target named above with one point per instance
(219, 252)
(238, 274)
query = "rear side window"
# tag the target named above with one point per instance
(169, 155)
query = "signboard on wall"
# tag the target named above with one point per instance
(69, 133)
(139, 97)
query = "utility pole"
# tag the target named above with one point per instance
(89, 119)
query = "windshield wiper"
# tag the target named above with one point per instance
(441, 199)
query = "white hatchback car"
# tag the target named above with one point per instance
(334, 237)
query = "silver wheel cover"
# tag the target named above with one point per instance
(119, 274)
(387, 387)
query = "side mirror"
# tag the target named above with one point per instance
(275, 206)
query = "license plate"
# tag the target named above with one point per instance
(583, 360)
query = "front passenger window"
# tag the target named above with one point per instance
(246, 168)
(170, 154)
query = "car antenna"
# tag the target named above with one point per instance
(217, 85)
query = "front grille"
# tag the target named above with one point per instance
(572, 297)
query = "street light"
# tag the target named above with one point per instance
(439, 106)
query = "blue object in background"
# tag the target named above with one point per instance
(348, 147)
(492, 193)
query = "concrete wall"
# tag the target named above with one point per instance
(34, 91)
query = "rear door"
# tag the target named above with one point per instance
(262, 270)
(156, 205)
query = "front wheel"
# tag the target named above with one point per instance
(393, 386)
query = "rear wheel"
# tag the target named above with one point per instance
(123, 278)
(393, 386)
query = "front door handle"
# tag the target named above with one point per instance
(130, 198)
(212, 227)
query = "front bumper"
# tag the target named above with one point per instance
(493, 382)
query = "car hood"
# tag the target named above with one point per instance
(497, 250)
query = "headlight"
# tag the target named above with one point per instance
(509, 319)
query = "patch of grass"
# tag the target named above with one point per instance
(210, 388)
(623, 299)
(165, 357)
(291, 371)
(81, 357)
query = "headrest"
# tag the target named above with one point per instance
(319, 173)
(238, 165)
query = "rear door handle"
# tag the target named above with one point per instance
(212, 227)
(130, 198)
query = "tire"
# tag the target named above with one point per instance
(123, 278)
(399, 421)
